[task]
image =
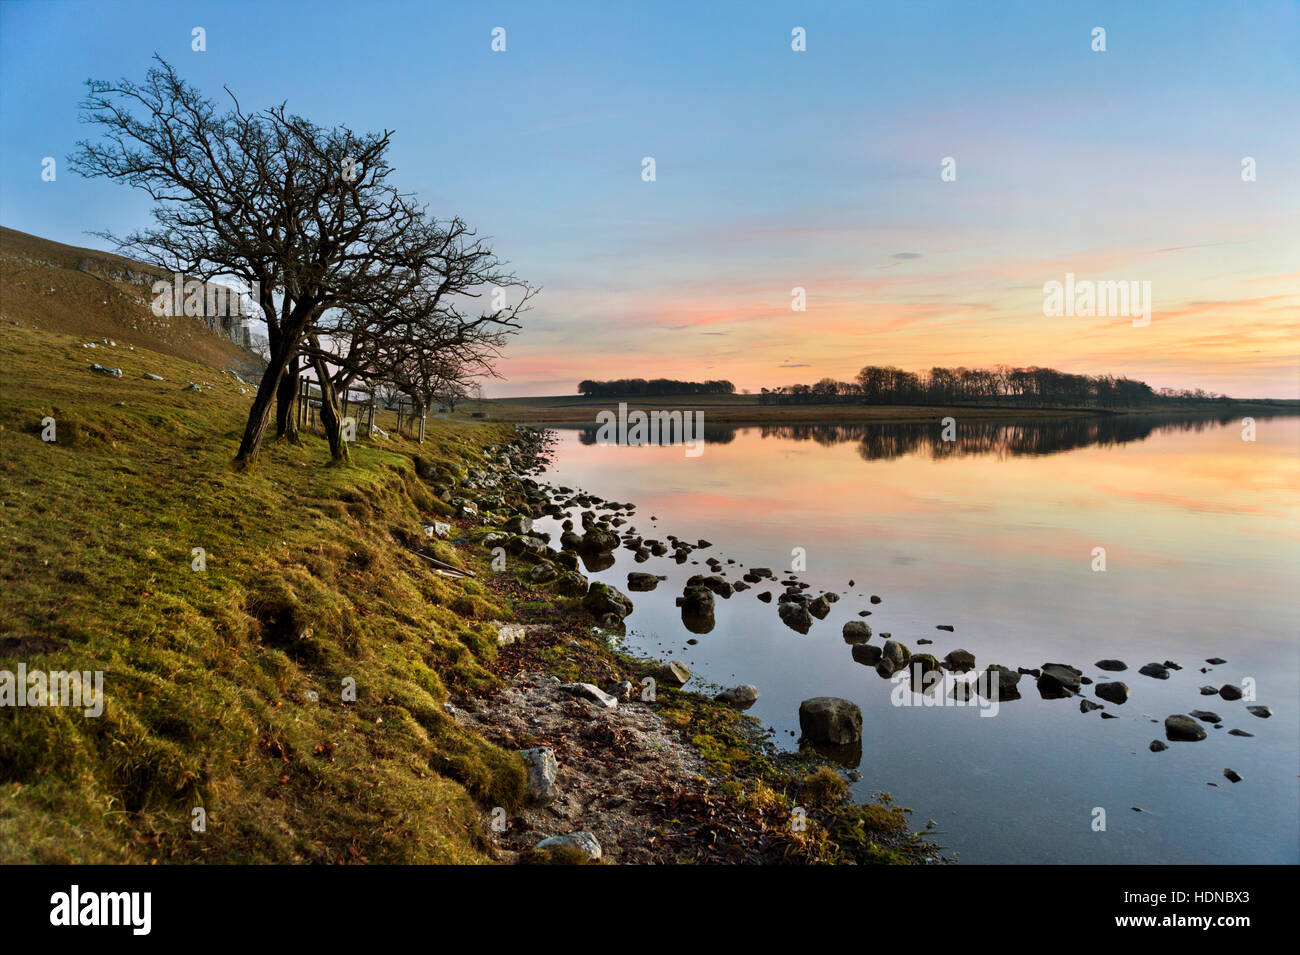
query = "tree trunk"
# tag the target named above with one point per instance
(286, 406)
(259, 415)
(330, 416)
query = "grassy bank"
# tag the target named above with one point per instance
(224, 687)
(227, 688)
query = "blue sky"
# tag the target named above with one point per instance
(775, 169)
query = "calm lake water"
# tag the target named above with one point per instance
(994, 534)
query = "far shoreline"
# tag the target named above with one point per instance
(745, 410)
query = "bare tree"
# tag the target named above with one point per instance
(303, 214)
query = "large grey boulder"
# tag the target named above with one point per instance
(830, 719)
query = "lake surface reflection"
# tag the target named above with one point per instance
(994, 533)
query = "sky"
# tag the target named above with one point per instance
(774, 169)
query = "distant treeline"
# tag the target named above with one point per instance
(654, 386)
(1027, 387)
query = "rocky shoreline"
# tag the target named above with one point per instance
(624, 764)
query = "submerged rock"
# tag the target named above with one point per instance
(697, 609)
(1058, 680)
(855, 631)
(1179, 728)
(795, 616)
(1000, 680)
(1112, 692)
(741, 697)
(603, 599)
(959, 661)
(866, 654)
(830, 719)
(638, 582)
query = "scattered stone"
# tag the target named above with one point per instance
(1157, 746)
(1155, 671)
(1209, 691)
(1111, 666)
(584, 842)
(945, 626)
(542, 772)
(893, 657)
(638, 582)
(508, 633)
(1116, 693)
(1087, 706)
(795, 616)
(152, 377)
(591, 693)
(1179, 728)
(855, 631)
(1240, 733)
(1231, 776)
(675, 672)
(604, 599)
(875, 599)
(1005, 679)
(1216, 661)
(830, 719)
(1058, 680)
(959, 661)
(1205, 716)
(114, 372)
(867, 654)
(741, 697)
(1263, 712)
(1229, 691)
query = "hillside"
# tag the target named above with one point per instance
(85, 292)
(222, 686)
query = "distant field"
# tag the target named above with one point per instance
(745, 409)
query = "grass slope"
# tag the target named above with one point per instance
(224, 688)
(63, 288)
